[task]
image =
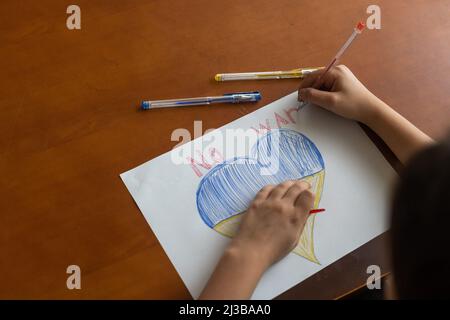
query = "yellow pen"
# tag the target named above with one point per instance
(269, 75)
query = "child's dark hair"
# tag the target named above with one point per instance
(420, 226)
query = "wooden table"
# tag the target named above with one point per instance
(70, 122)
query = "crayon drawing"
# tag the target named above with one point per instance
(226, 191)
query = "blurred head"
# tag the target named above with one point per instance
(421, 226)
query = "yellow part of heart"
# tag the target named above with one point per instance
(305, 246)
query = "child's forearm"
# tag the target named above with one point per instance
(235, 277)
(343, 94)
(402, 137)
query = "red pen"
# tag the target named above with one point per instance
(356, 31)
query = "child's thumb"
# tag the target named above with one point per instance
(318, 97)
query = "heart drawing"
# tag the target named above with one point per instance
(225, 193)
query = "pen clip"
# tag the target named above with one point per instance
(235, 93)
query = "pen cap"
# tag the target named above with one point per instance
(360, 27)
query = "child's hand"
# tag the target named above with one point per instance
(274, 222)
(269, 230)
(341, 93)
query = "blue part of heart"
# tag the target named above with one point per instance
(229, 188)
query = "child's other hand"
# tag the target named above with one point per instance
(272, 226)
(341, 92)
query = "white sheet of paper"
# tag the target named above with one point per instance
(355, 195)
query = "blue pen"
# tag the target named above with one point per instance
(238, 97)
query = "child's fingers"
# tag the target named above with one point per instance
(295, 190)
(309, 80)
(280, 190)
(327, 81)
(263, 194)
(305, 202)
(318, 97)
